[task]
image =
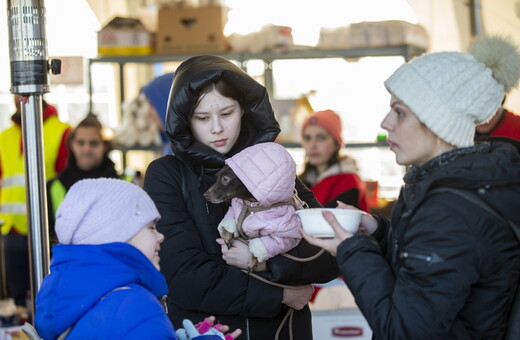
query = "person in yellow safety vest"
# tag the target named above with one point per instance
(88, 158)
(13, 211)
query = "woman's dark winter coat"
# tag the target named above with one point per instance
(200, 282)
(451, 268)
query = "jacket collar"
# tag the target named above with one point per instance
(417, 173)
(450, 169)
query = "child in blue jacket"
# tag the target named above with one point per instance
(104, 280)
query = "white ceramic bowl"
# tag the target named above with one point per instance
(314, 223)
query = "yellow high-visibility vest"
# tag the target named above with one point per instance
(13, 209)
(57, 193)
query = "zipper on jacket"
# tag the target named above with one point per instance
(164, 303)
(394, 250)
(406, 255)
(433, 258)
(247, 329)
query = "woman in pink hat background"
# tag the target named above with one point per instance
(329, 174)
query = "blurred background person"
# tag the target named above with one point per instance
(89, 158)
(329, 174)
(157, 92)
(332, 177)
(13, 209)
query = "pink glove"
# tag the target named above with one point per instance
(206, 325)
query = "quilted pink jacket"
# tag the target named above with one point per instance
(268, 171)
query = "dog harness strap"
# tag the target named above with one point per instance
(241, 217)
(247, 210)
(279, 204)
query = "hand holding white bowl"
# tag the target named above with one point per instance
(367, 224)
(314, 223)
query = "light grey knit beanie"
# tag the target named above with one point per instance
(451, 92)
(103, 210)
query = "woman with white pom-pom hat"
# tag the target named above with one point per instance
(444, 267)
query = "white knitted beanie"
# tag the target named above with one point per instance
(103, 210)
(451, 92)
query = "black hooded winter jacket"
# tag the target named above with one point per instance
(451, 268)
(200, 282)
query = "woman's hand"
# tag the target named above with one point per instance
(329, 244)
(236, 256)
(368, 223)
(297, 298)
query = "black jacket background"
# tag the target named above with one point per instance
(450, 268)
(200, 282)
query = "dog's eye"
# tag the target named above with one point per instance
(225, 179)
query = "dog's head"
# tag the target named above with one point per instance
(227, 186)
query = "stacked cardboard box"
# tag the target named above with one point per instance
(125, 36)
(191, 30)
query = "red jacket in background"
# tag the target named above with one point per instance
(509, 126)
(331, 187)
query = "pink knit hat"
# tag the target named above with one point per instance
(103, 210)
(329, 120)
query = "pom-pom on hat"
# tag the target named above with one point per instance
(103, 210)
(329, 120)
(452, 92)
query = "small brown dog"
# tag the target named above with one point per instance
(227, 186)
(260, 183)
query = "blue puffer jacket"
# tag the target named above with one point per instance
(108, 291)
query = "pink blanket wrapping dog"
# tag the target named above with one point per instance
(268, 171)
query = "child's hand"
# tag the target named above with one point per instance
(210, 322)
(203, 329)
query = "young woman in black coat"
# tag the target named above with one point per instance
(443, 267)
(215, 110)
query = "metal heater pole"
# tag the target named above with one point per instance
(476, 18)
(29, 79)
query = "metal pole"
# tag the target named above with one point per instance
(32, 129)
(29, 79)
(476, 18)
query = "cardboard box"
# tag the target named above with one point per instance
(191, 30)
(340, 323)
(125, 36)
